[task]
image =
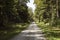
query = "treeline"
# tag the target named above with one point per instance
(13, 11)
(48, 11)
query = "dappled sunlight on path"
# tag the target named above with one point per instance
(31, 33)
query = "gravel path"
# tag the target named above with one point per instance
(31, 33)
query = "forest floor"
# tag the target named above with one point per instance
(12, 30)
(33, 32)
(51, 32)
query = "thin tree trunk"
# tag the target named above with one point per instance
(57, 8)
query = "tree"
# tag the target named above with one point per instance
(12, 11)
(47, 10)
(22, 10)
(30, 11)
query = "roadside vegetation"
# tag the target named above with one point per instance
(12, 31)
(51, 32)
(14, 18)
(47, 17)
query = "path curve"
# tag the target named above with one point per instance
(31, 33)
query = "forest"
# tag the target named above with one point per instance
(15, 16)
(47, 16)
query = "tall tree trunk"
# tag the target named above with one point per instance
(57, 8)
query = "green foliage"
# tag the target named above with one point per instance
(15, 29)
(31, 16)
(12, 11)
(48, 14)
(47, 10)
(51, 33)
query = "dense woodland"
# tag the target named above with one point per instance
(48, 11)
(13, 11)
(47, 16)
(16, 16)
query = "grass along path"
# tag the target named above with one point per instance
(11, 31)
(52, 33)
